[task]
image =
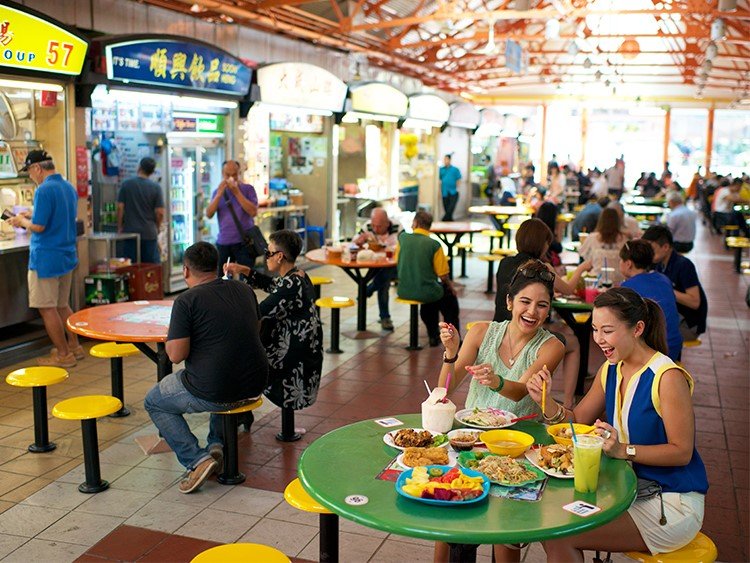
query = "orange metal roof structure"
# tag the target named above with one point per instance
(678, 48)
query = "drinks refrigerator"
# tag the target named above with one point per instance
(194, 172)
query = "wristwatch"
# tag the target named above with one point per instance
(630, 451)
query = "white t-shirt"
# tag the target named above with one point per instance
(722, 203)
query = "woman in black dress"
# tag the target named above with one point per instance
(290, 326)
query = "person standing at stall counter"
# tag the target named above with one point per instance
(449, 178)
(244, 202)
(140, 209)
(52, 255)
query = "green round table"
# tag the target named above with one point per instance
(347, 460)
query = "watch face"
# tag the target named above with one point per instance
(630, 450)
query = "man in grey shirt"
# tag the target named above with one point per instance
(140, 209)
(681, 221)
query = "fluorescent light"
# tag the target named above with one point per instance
(26, 85)
(292, 110)
(194, 134)
(414, 123)
(355, 115)
(136, 96)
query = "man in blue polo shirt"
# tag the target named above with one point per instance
(691, 300)
(52, 255)
(449, 177)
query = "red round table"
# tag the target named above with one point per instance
(443, 229)
(355, 271)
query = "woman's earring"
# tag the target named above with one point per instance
(510, 308)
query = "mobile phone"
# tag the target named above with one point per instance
(7, 214)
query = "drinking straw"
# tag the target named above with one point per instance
(573, 430)
(544, 395)
(427, 387)
(448, 382)
(605, 270)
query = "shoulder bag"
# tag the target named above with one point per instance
(253, 238)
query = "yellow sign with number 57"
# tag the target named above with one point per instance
(32, 41)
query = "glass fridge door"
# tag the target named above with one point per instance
(182, 166)
(209, 178)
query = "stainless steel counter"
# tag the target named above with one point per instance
(18, 244)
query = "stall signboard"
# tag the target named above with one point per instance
(513, 56)
(177, 64)
(378, 98)
(301, 85)
(197, 123)
(31, 41)
(429, 107)
(464, 115)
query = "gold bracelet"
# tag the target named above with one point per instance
(555, 418)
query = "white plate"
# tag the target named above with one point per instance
(460, 415)
(388, 438)
(532, 454)
(452, 459)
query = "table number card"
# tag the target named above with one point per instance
(580, 508)
(388, 422)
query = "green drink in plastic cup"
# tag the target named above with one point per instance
(587, 455)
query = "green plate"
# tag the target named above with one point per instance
(468, 459)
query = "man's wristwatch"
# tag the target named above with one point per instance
(630, 451)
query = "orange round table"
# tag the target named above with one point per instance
(355, 271)
(137, 322)
(443, 229)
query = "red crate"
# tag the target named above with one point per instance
(144, 281)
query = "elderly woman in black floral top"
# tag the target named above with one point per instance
(290, 326)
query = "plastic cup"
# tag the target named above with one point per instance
(589, 290)
(587, 455)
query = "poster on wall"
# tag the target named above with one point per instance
(82, 171)
(296, 123)
(127, 117)
(154, 119)
(104, 118)
(133, 146)
(306, 153)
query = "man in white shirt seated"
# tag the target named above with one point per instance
(724, 201)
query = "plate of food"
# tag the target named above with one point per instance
(486, 419)
(556, 460)
(414, 438)
(416, 457)
(463, 439)
(443, 485)
(501, 469)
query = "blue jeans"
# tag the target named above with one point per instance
(167, 401)
(149, 251)
(382, 284)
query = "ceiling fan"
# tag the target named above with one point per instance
(491, 48)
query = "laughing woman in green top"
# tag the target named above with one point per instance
(501, 357)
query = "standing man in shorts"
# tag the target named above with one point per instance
(52, 255)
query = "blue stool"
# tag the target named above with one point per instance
(321, 234)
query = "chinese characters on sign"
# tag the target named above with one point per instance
(177, 64)
(301, 85)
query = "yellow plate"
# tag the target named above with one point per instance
(579, 428)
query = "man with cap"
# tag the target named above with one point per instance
(140, 209)
(52, 255)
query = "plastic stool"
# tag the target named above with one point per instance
(490, 259)
(472, 323)
(493, 234)
(241, 552)
(738, 244)
(115, 352)
(87, 409)
(463, 248)
(317, 281)
(230, 474)
(692, 343)
(504, 252)
(413, 323)
(335, 303)
(299, 498)
(700, 550)
(38, 378)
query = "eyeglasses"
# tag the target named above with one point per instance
(270, 254)
(544, 275)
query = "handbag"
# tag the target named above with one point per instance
(647, 489)
(253, 238)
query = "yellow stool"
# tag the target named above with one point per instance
(700, 550)
(87, 409)
(472, 323)
(231, 474)
(413, 322)
(335, 303)
(317, 281)
(692, 343)
(493, 234)
(38, 378)
(463, 248)
(505, 252)
(738, 244)
(241, 552)
(490, 259)
(115, 352)
(299, 498)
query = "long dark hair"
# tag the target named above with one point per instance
(531, 271)
(630, 308)
(608, 225)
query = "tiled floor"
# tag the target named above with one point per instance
(142, 517)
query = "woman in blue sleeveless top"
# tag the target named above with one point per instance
(647, 399)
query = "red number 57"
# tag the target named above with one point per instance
(53, 52)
